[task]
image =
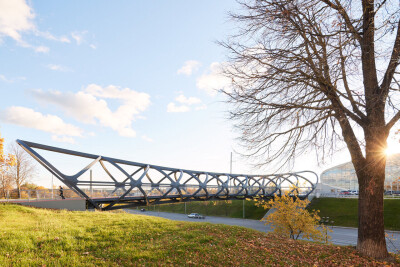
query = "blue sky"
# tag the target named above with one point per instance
(128, 79)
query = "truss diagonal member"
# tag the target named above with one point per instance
(119, 168)
(198, 182)
(265, 186)
(166, 176)
(53, 170)
(178, 185)
(137, 183)
(241, 185)
(204, 186)
(223, 187)
(106, 170)
(166, 193)
(129, 177)
(148, 177)
(197, 179)
(74, 178)
(174, 184)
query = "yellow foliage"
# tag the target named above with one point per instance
(290, 217)
(1, 149)
(6, 161)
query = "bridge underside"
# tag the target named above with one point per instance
(139, 201)
(127, 184)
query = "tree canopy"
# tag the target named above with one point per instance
(322, 75)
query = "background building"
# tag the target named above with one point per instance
(344, 176)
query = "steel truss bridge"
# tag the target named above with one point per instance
(145, 184)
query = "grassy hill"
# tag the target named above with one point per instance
(344, 211)
(230, 208)
(38, 237)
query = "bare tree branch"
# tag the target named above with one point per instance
(305, 75)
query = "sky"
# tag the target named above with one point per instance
(128, 79)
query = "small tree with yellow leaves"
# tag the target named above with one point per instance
(290, 218)
(5, 163)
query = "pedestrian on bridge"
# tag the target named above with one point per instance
(61, 192)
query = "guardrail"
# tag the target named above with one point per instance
(330, 195)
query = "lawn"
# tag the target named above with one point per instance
(222, 208)
(38, 237)
(343, 211)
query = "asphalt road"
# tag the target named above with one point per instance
(340, 235)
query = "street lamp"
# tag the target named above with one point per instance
(325, 221)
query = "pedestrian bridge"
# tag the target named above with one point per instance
(125, 183)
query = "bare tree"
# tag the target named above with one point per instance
(6, 161)
(24, 167)
(320, 74)
(5, 183)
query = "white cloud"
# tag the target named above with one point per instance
(16, 17)
(64, 39)
(171, 107)
(29, 118)
(202, 107)
(147, 139)
(90, 106)
(57, 67)
(184, 103)
(5, 79)
(214, 80)
(78, 36)
(49, 36)
(42, 49)
(9, 80)
(187, 100)
(63, 139)
(189, 67)
(93, 46)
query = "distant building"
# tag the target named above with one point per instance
(344, 176)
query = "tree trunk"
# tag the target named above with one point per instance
(371, 177)
(18, 180)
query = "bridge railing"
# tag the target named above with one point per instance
(33, 195)
(104, 193)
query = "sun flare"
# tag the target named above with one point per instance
(393, 147)
(390, 151)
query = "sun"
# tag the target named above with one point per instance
(393, 147)
(391, 150)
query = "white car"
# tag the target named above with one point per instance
(196, 216)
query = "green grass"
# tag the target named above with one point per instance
(39, 237)
(344, 211)
(230, 208)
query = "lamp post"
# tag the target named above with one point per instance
(52, 186)
(91, 181)
(244, 211)
(230, 172)
(325, 221)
